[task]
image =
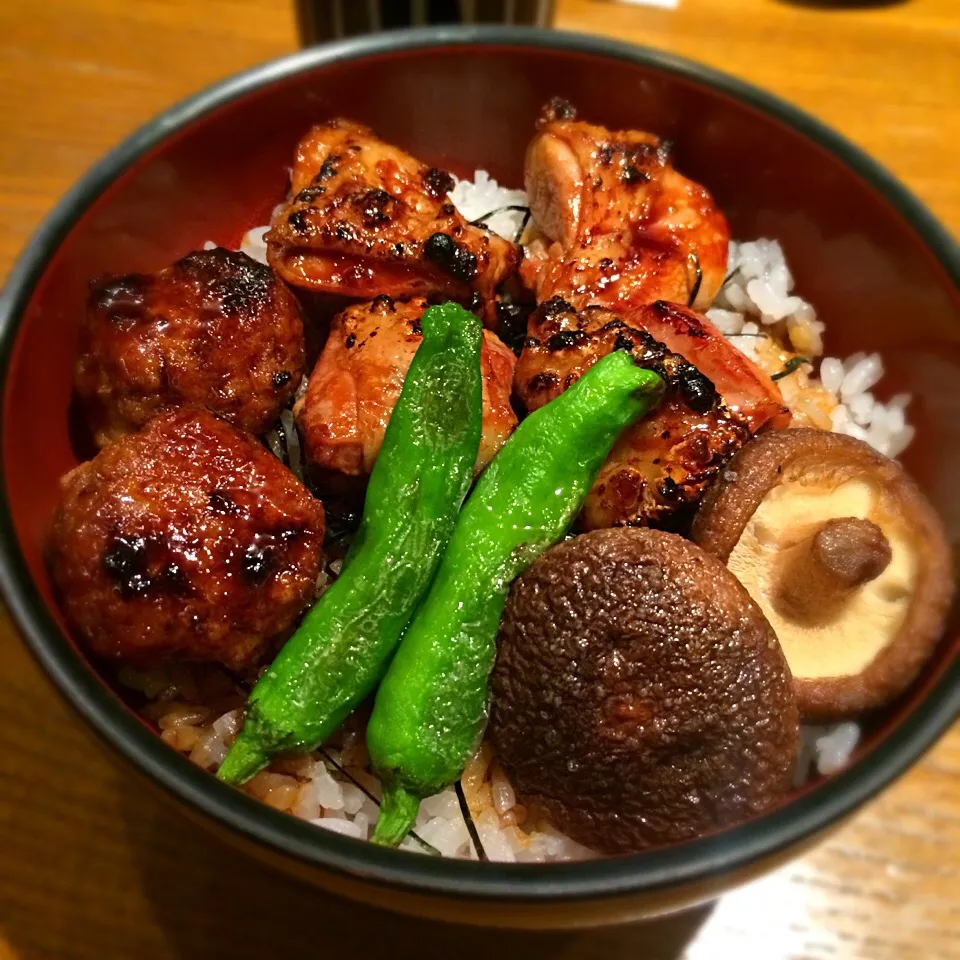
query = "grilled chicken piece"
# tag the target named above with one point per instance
(662, 464)
(366, 218)
(622, 227)
(358, 378)
(215, 328)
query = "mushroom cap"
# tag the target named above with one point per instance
(779, 491)
(639, 696)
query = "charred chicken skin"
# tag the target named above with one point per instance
(185, 541)
(366, 218)
(216, 328)
(621, 226)
(662, 464)
(357, 381)
(624, 232)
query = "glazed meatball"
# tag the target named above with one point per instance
(217, 328)
(187, 540)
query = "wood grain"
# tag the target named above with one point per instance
(94, 865)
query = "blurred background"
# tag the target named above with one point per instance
(320, 20)
(95, 866)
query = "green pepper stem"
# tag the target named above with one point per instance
(398, 813)
(246, 758)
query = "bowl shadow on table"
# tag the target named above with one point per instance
(213, 901)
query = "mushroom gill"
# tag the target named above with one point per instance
(845, 557)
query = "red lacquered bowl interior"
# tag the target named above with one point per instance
(869, 273)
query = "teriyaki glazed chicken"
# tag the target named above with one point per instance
(511, 524)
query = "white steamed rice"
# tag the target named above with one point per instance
(759, 312)
(481, 196)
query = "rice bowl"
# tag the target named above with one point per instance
(825, 378)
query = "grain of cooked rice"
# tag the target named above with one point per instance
(349, 828)
(834, 745)
(253, 244)
(758, 310)
(825, 749)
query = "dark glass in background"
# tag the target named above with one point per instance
(321, 20)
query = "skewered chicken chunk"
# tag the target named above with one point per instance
(366, 218)
(663, 463)
(357, 381)
(622, 227)
(624, 231)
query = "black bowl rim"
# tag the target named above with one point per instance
(660, 870)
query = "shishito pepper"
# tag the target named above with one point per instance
(431, 707)
(416, 488)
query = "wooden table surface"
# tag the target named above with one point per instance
(94, 866)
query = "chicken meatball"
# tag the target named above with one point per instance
(185, 541)
(216, 328)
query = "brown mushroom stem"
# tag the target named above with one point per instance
(821, 572)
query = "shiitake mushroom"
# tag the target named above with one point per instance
(844, 555)
(639, 696)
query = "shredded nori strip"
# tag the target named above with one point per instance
(523, 225)
(480, 221)
(698, 282)
(468, 820)
(794, 363)
(429, 847)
